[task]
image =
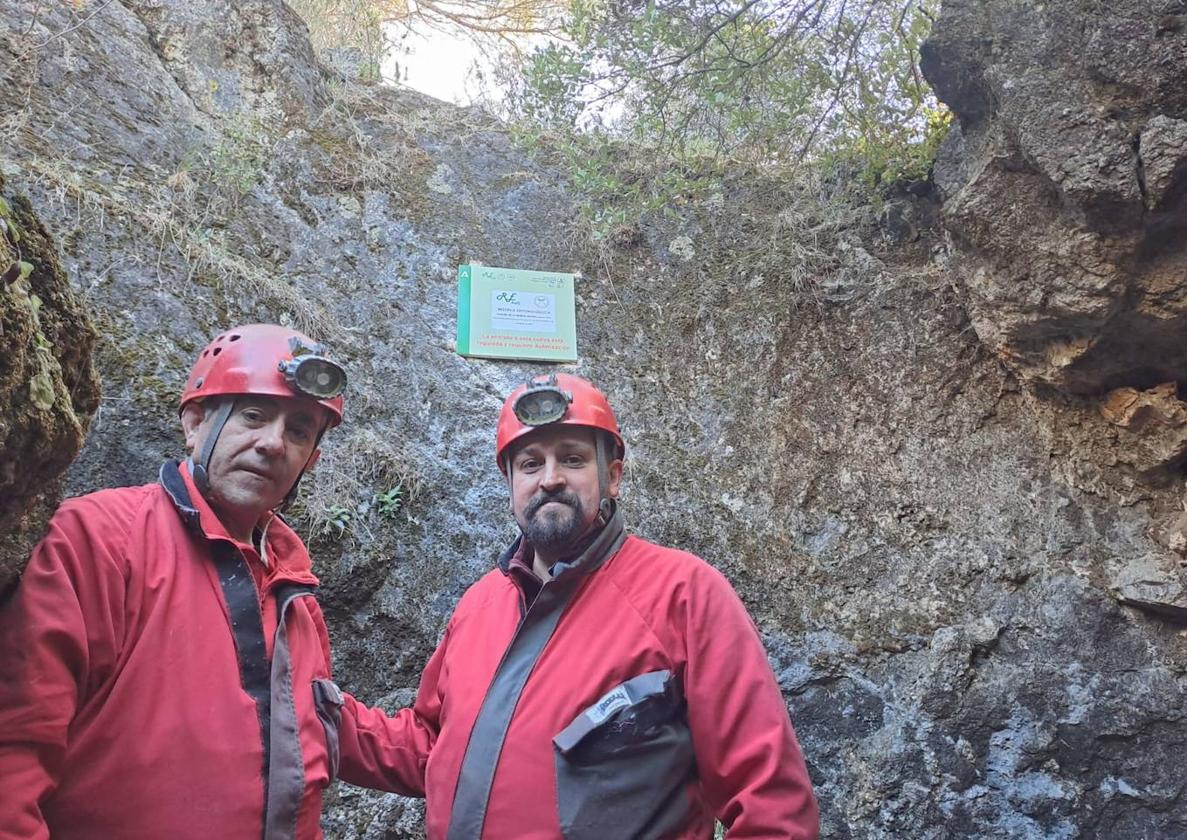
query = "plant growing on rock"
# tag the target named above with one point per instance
(660, 111)
(390, 502)
(339, 498)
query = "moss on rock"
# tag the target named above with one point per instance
(48, 385)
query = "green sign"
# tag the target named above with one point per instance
(506, 313)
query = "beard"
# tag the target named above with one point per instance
(557, 529)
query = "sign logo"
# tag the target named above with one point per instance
(520, 311)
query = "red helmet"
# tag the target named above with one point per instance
(266, 359)
(557, 398)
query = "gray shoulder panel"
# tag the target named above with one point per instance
(286, 770)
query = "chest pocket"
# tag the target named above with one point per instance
(623, 764)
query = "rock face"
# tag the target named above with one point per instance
(48, 386)
(1065, 198)
(939, 559)
(1066, 185)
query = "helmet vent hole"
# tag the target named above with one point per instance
(217, 350)
(201, 381)
(205, 352)
(220, 338)
(235, 337)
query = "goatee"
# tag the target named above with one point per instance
(554, 531)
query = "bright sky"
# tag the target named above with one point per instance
(454, 68)
(443, 65)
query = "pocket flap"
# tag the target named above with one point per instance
(327, 692)
(620, 697)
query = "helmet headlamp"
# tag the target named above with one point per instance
(542, 403)
(314, 376)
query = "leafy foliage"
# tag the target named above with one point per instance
(668, 113)
(236, 163)
(342, 498)
(769, 81)
(390, 501)
(339, 517)
(700, 84)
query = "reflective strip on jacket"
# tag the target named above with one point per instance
(122, 714)
(591, 749)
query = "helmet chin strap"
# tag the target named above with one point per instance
(291, 495)
(199, 462)
(605, 504)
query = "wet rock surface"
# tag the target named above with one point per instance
(939, 558)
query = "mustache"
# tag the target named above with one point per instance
(538, 501)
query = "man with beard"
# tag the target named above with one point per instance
(593, 685)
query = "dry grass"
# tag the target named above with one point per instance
(789, 229)
(345, 25)
(184, 225)
(356, 161)
(726, 229)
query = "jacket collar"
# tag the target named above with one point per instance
(598, 549)
(290, 558)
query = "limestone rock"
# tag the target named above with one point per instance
(1149, 584)
(1070, 234)
(1156, 423)
(229, 57)
(1163, 153)
(1172, 533)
